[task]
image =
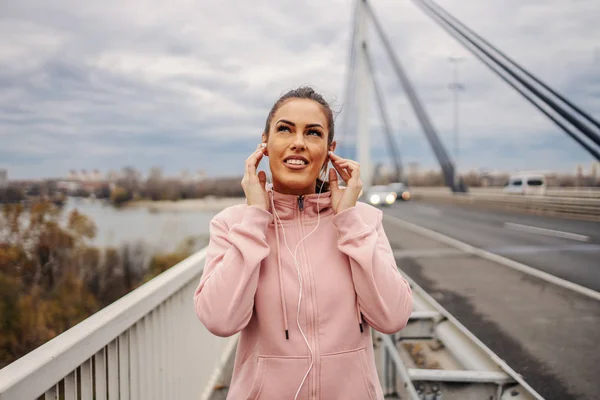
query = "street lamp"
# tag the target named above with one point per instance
(456, 86)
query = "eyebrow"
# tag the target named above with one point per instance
(293, 124)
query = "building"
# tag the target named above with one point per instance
(85, 176)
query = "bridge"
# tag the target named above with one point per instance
(507, 303)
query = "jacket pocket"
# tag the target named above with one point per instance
(279, 378)
(346, 375)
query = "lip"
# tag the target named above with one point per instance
(295, 167)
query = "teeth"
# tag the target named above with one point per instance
(296, 162)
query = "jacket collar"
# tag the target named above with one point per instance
(288, 206)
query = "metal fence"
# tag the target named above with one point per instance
(589, 192)
(147, 345)
(581, 203)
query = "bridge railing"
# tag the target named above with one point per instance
(466, 368)
(579, 203)
(146, 345)
(573, 192)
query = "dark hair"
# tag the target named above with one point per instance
(308, 93)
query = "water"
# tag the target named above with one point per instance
(162, 230)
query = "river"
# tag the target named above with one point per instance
(161, 230)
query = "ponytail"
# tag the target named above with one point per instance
(322, 183)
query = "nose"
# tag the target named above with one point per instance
(298, 143)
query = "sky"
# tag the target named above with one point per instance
(185, 84)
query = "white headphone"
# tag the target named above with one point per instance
(298, 272)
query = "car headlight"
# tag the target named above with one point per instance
(391, 198)
(375, 199)
(405, 196)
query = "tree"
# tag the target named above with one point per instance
(120, 196)
(51, 277)
(42, 292)
(154, 183)
(11, 195)
(130, 179)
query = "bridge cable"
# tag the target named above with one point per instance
(473, 48)
(575, 108)
(430, 132)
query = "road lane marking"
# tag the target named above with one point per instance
(427, 253)
(467, 248)
(546, 232)
(544, 249)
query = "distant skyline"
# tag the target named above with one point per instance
(188, 85)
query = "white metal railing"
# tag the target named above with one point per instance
(147, 345)
(568, 203)
(589, 192)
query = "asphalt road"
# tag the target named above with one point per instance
(567, 248)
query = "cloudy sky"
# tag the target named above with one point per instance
(187, 84)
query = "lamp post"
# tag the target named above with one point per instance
(456, 86)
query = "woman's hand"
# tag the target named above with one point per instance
(253, 183)
(349, 170)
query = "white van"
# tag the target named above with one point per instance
(526, 183)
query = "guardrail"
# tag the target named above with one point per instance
(588, 192)
(560, 202)
(465, 367)
(593, 192)
(147, 345)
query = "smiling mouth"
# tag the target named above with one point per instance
(294, 161)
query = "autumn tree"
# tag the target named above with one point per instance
(52, 277)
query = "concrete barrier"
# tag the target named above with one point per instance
(583, 203)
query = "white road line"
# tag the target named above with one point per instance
(467, 248)
(586, 248)
(427, 253)
(547, 232)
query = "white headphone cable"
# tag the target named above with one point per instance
(300, 277)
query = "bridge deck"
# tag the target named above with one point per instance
(544, 332)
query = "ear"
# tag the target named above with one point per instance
(332, 147)
(264, 140)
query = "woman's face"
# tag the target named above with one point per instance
(297, 146)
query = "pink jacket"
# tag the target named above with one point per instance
(350, 283)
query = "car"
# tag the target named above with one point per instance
(380, 195)
(401, 190)
(526, 183)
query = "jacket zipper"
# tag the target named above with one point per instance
(310, 383)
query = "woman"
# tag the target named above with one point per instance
(301, 270)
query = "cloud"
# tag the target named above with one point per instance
(188, 84)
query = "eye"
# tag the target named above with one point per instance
(315, 132)
(283, 128)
